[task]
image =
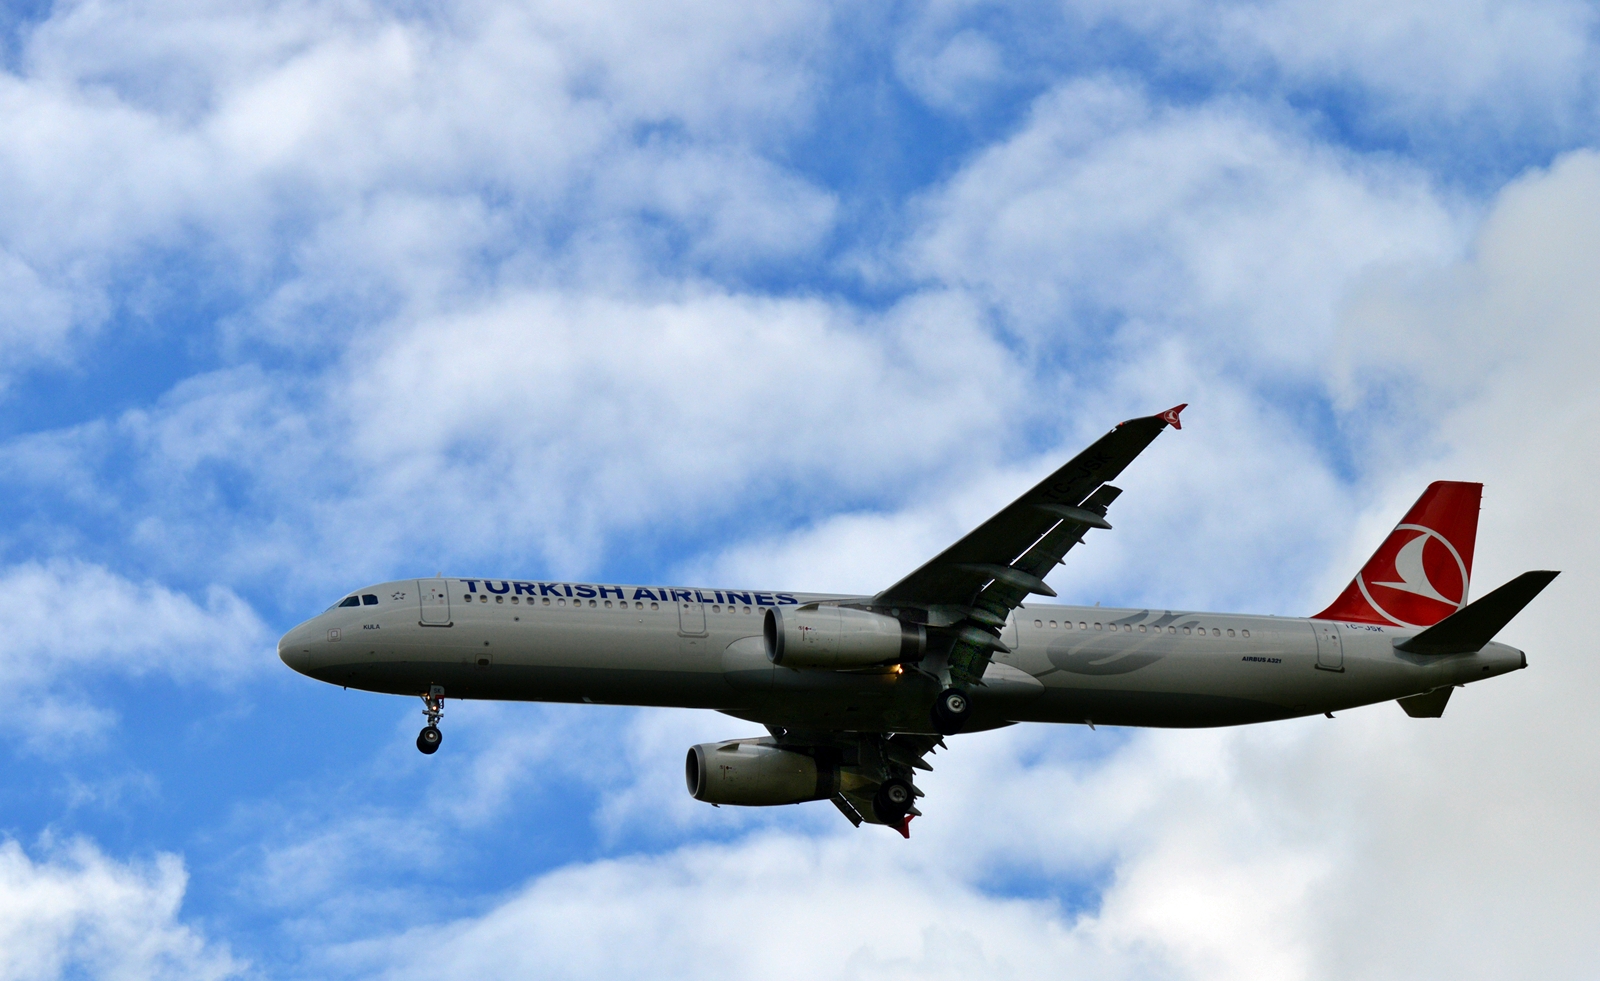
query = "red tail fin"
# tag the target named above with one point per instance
(1421, 572)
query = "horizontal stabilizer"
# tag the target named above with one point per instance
(1428, 705)
(1470, 628)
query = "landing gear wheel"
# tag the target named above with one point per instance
(893, 800)
(950, 711)
(428, 740)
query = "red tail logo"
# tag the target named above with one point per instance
(1421, 572)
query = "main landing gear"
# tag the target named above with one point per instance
(430, 737)
(950, 711)
(893, 801)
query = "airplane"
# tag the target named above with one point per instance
(857, 691)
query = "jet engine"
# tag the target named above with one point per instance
(838, 637)
(754, 772)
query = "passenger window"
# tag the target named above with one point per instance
(654, 606)
(591, 604)
(351, 601)
(1052, 625)
(513, 599)
(561, 602)
(1141, 628)
(608, 604)
(1098, 627)
(1230, 631)
(499, 599)
(1038, 623)
(1082, 625)
(715, 608)
(369, 600)
(1215, 632)
(1172, 630)
(1186, 631)
(1245, 632)
(546, 601)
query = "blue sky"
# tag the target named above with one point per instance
(296, 296)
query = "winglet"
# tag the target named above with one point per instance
(1170, 417)
(905, 826)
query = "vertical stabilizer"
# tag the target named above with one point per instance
(1421, 572)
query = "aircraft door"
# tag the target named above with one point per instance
(434, 598)
(693, 645)
(1330, 649)
(691, 618)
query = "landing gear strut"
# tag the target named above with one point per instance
(429, 738)
(950, 711)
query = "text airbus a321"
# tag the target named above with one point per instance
(856, 692)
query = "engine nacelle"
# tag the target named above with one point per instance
(755, 773)
(838, 637)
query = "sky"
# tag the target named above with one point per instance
(301, 295)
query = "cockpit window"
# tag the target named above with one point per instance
(351, 601)
(369, 600)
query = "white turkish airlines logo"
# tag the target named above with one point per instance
(1412, 572)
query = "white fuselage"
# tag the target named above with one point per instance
(571, 642)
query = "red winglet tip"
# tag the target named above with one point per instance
(1170, 417)
(905, 826)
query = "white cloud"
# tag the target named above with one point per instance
(1489, 70)
(65, 614)
(539, 424)
(951, 70)
(78, 913)
(1218, 222)
(73, 624)
(260, 135)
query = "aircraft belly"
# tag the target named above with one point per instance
(1157, 709)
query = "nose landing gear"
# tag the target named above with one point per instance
(430, 737)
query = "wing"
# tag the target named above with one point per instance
(972, 586)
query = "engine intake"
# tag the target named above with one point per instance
(839, 637)
(755, 773)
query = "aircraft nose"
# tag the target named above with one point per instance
(294, 652)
